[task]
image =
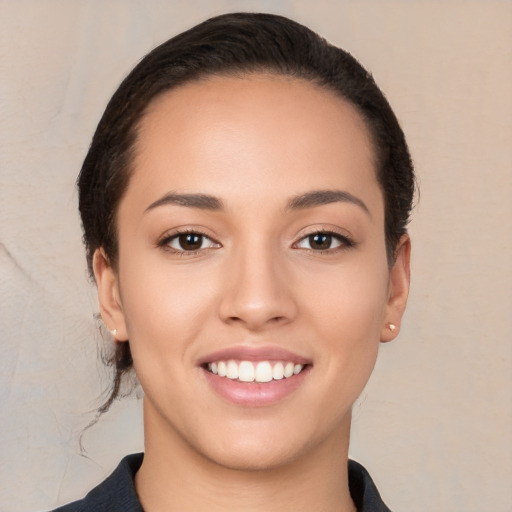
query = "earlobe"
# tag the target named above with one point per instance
(399, 281)
(111, 308)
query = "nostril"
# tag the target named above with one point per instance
(258, 303)
(254, 321)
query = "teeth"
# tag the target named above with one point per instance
(247, 371)
(278, 371)
(221, 368)
(263, 372)
(232, 370)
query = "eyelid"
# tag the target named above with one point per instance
(345, 240)
(343, 237)
(164, 240)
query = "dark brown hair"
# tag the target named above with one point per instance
(233, 44)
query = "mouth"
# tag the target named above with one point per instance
(254, 371)
(255, 377)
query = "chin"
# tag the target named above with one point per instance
(271, 446)
(254, 456)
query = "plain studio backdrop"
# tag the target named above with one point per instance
(434, 425)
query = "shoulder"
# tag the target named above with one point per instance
(363, 491)
(116, 493)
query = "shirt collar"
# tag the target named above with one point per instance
(117, 492)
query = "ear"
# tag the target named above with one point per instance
(398, 290)
(111, 308)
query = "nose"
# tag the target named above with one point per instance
(256, 291)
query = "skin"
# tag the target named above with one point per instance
(254, 143)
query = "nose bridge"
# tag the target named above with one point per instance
(257, 292)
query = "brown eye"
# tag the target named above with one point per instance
(323, 241)
(190, 241)
(320, 241)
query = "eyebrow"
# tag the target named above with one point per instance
(300, 202)
(201, 201)
(322, 197)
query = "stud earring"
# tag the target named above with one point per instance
(391, 327)
(113, 332)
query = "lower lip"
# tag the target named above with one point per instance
(255, 394)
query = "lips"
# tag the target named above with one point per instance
(254, 376)
(251, 353)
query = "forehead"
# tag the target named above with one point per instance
(266, 134)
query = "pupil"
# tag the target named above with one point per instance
(190, 241)
(320, 241)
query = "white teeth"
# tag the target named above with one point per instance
(247, 371)
(263, 372)
(221, 368)
(232, 370)
(278, 371)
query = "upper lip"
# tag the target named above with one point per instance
(251, 353)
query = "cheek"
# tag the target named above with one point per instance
(164, 310)
(350, 298)
(348, 313)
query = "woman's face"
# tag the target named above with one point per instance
(251, 241)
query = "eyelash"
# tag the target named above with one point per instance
(345, 242)
(166, 240)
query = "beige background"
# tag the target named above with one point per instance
(434, 425)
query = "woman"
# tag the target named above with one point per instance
(244, 204)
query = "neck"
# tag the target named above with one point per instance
(175, 477)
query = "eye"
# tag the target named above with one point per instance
(188, 242)
(323, 241)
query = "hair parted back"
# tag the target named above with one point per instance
(234, 44)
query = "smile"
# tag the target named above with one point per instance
(255, 371)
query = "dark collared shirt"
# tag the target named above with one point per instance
(117, 492)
